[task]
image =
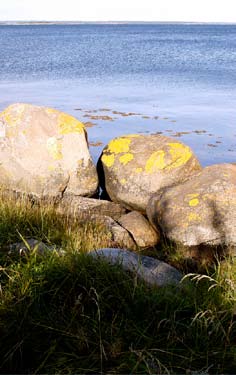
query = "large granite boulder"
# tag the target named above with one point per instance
(201, 211)
(44, 152)
(152, 271)
(136, 166)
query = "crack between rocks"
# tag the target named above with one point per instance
(131, 235)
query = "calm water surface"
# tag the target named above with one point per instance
(175, 79)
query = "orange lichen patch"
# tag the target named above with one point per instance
(108, 160)
(126, 158)
(54, 148)
(68, 124)
(156, 162)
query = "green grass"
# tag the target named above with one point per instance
(74, 314)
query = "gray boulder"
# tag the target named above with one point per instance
(30, 245)
(152, 271)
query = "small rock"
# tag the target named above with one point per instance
(120, 236)
(32, 244)
(152, 271)
(141, 230)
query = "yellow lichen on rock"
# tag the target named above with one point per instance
(69, 124)
(51, 111)
(126, 158)
(193, 216)
(51, 168)
(156, 162)
(138, 170)
(123, 181)
(54, 148)
(193, 202)
(108, 160)
(119, 145)
(10, 118)
(180, 154)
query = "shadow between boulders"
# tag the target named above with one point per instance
(102, 183)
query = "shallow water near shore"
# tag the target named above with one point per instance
(178, 80)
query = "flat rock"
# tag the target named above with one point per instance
(201, 211)
(83, 207)
(140, 229)
(134, 167)
(44, 152)
(152, 271)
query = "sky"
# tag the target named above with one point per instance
(119, 10)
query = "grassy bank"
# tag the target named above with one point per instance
(73, 314)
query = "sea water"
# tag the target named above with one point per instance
(173, 79)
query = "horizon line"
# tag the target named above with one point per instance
(111, 22)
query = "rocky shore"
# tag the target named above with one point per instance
(154, 185)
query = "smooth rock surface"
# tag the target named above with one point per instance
(44, 152)
(152, 271)
(83, 207)
(201, 211)
(134, 167)
(140, 229)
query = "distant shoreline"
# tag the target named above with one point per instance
(31, 23)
